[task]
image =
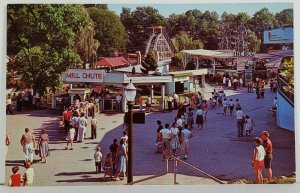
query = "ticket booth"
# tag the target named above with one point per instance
(78, 93)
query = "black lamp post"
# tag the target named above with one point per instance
(130, 93)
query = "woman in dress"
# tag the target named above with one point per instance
(249, 124)
(121, 159)
(199, 118)
(43, 145)
(190, 119)
(174, 138)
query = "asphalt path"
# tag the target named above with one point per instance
(216, 149)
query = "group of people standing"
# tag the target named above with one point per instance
(233, 81)
(115, 161)
(262, 157)
(18, 101)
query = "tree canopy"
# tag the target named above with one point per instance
(42, 39)
(110, 32)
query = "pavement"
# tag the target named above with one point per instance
(215, 149)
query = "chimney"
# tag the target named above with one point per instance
(139, 57)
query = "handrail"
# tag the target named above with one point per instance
(191, 167)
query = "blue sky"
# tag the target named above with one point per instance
(167, 9)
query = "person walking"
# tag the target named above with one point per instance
(28, 143)
(231, 106)
(176, 100)
(174, 139)
(9, 105)
(19, 102)
(75, 124)
(82, 128)
(258, 160)
(204, 106)
(140, 102)
(118, 103)
(199, 117)
(98, 159)
(43, 145)
(249, 124)
(170, 100)
(93, 127)
(107, 166)
(122, 159)
(70, 137)
(28, 175)
(158, 138)
(186, 134)
(148, 104)
(165, 135)
(240, 118)
(268, 146)
(67, 118)
(225, 106)
(190, 119)
(114, 150)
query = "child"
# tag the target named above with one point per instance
(249, 124)
(225, 105)
(210, 103)
(16, 178)
(29, 174)
(98, 158)
(70, 137)
(107, 167)
(61, 124)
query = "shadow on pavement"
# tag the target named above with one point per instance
(74, 173)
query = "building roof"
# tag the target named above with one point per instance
(202, 52)
(116, 61)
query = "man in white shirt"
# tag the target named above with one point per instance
(176, 100)
(225, 104)
(165, 136)
(240, 118)
(93, 127)
(179, 122)
(118, 103)
(82, 127)
(186, 134)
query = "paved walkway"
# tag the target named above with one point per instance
(216, 149)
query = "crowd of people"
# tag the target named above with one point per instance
(19, 101)
(171, 139)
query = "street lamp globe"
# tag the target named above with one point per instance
(130, 92)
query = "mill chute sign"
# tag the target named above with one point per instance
(83, 75)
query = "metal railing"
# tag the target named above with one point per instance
(197, 170)
(288, 95)
(175, 165)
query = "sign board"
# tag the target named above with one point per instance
(248, 75)
(138, 118)
(83, 75)
(282, 35)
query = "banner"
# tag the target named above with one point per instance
(283, 35)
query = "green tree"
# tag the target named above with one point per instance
(285, 17)
(42, 38)
(138, 24)
(183, 41)
(262, 20)
(177, 62)
(149, 63)
(109, 31)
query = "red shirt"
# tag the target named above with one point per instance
(16, 179)
(67, 116)
(140, 100)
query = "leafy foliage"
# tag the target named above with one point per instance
(149, 63)
(288, 72)
(177, 62)
(110, 32)
(137, 24)
(183, 41)
(42, 39)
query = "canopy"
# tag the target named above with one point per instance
(202, 52)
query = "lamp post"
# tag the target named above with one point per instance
(130, 93)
